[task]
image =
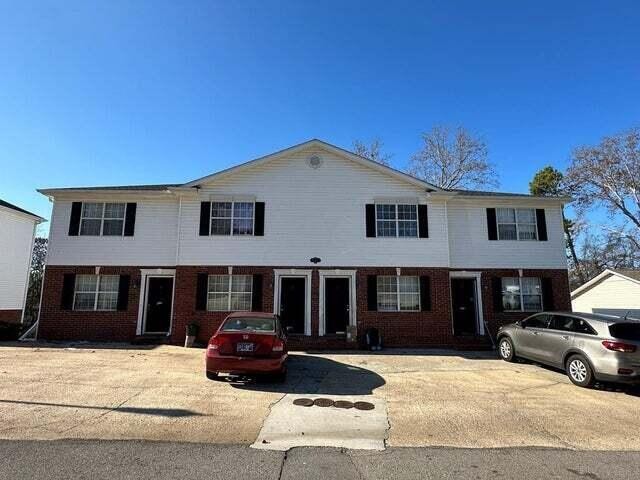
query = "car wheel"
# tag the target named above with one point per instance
(506, 350)
(212, 375)
(579, 371)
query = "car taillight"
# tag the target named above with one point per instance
(278, 346)
(618, 346)
(214, 343)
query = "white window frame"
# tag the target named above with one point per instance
(520, 292)
(399, 294)
(229, 291)
(232, 218)
(397, 220)
(96, 292)
(102, 219)
(517, 224)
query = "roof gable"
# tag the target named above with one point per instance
(630, 275)
(340, 152)
(15, 209)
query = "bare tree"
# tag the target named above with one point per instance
(36, 274)
(372, 151)
(608, 175)
(453, 159)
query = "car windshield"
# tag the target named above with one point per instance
(626, 331)
(249, 324)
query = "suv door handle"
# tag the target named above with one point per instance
(566, 337)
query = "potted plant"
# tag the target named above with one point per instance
(192, 334)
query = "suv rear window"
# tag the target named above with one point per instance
(625, 331)
(249, 324)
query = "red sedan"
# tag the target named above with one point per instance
(248, 343)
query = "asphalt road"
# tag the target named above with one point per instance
(95, 460)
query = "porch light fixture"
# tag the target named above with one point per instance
(315, 260)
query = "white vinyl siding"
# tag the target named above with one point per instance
(96, 292)
(521, 294)
(229, 293)
(398, 293)
(16, 239)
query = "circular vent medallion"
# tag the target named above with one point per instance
(314, 161)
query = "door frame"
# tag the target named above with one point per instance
(477, 276)
(145, 274)
(278, 275)
(353, 306)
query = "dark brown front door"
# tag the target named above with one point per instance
(292, 303)
(463, 301)
(158, 307)
(336, 305)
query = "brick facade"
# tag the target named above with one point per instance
(399, 329)
(10, 316)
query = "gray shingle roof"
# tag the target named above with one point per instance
(484, 193)
(17, 209)
(627, 272)
(126, 187)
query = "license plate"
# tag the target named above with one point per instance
(244, 347)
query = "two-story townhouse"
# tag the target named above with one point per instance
(331, 241)
(17, 234)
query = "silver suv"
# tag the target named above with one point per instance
(587, 346)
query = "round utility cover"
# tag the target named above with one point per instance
(323, 402)
(364, 405)
(303, 402)
(343, 404)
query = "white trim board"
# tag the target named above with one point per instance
(353, 306)
(278, 274)
(479, 309)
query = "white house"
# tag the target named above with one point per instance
(333, 242)
(613, 292)
(17, 232)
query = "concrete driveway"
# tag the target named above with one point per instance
(428, 398)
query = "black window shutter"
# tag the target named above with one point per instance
(68, 287)
(372, 293)
(130, 220)
(256, 298)
(258, 229)
(547, 294)
(542, 224)
(201, 291)
(425, 293)
(423, 221)
(123, 291)
(497, 294)
(370, 210)
(74, 223)
(205, 219)
(492, 224)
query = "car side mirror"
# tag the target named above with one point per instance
(520, 324)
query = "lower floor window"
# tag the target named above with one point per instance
(96, 292)
(521, 294)
(227, 293)
(398, 293)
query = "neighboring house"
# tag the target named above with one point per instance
(613, 292)
(17, 232)
(333, 242)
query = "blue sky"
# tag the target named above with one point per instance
(124, 92)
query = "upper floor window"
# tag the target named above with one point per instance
(516, 224)
(229, 293)
(521, 294)
(398, 293)
(396, 220)
(232, 218)
(102, 219)
(96, 292)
